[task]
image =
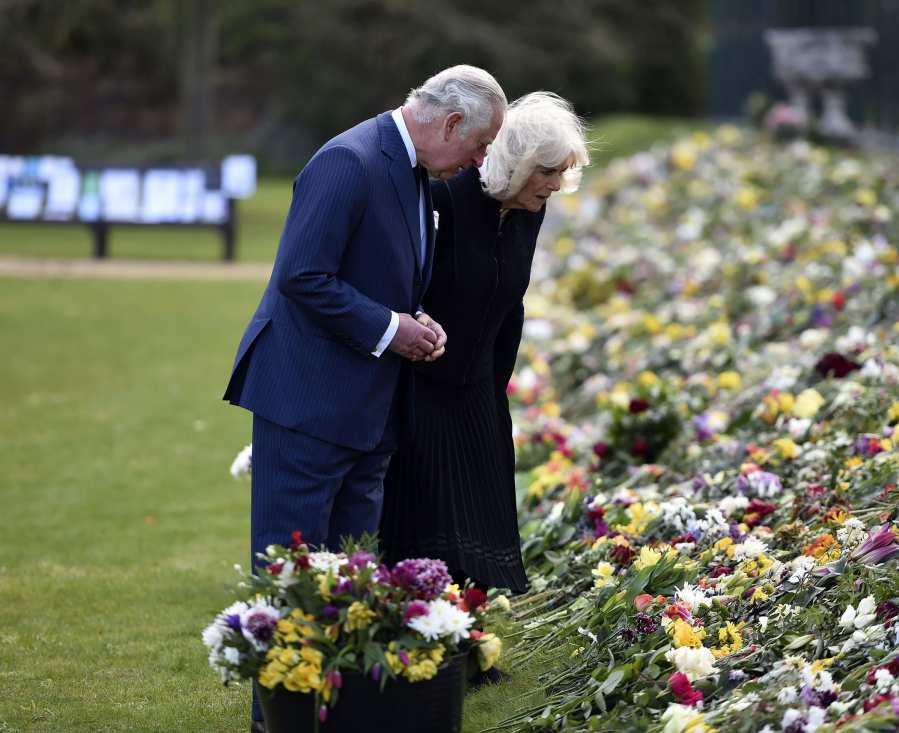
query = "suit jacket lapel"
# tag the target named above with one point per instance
(403, 180)
(431, 237)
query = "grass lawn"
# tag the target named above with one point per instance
(260, 218)
(120, 522)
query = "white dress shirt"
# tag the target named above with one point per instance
(397, 116)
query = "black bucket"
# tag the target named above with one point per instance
(434, 705)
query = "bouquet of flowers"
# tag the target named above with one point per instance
(311, 617)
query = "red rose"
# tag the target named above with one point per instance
(600, 449)
(473, 598)
(640, 447)
(638, 405)
(683, 691)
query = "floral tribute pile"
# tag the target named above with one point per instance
(312, 617)
(707, 412)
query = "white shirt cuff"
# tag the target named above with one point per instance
(388, 335)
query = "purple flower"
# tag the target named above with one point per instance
(359, 560)
(233, 621)
(323, 713)
(404, 657)
(735, 534)
(701, 426)
(644, 623)
(261, 626)
(880, 546)
(414, 610)
(344, 586)
(887, 611)
(425, 577)
(330, 611)
(376, 671)
(760, 483)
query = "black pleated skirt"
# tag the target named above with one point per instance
(449, 492)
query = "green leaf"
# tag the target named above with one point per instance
(612, 681)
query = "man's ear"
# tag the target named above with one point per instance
(450, 123)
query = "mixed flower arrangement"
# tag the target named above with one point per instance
(706, 406)
(309, 618)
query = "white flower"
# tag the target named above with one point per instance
(232, 655)
(693, 596)
(443, 620)
(859, 618)
(763, 624)
(729, 504)
(787, 695)
(680, 718)
(326, 561)
(243, 462)
(815, 719)
(695, 663)
(871, 370)
(800, 567)
(677, 514)
(883, 679)
(749, 549)
(812, 339)
(798, 427)
(790, 717)
(538, 329)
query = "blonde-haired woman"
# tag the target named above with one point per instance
(450, 488)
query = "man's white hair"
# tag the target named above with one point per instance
(540, 129)
(468, 90)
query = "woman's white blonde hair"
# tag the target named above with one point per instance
(540, 130)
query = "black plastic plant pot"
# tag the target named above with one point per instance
(433, 705)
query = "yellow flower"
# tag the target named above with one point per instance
(747, 198)
(758, 596)
(303, 678)
(787, 448)
(648, 558)
(682, 634)
(893, 413)
(604, 574)
(719, 333)
(866, 197)
(729, 380)
(564, 246)
(324, 586)
(358, 617)
(551, 409)
(807, 403)
(271, 675)
(730, 639)
(683, 155)
(647, 379)
(489, 648)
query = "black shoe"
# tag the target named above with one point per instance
(492, 676)
(257, 726)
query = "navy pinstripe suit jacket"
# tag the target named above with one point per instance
(348, 255)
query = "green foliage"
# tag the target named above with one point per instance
(282, 76)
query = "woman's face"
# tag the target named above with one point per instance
(542, 184)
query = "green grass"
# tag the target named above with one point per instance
(260, 218)
(120, 523)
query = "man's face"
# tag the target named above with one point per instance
(453, 151)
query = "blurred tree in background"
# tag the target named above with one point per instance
(184, 79)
